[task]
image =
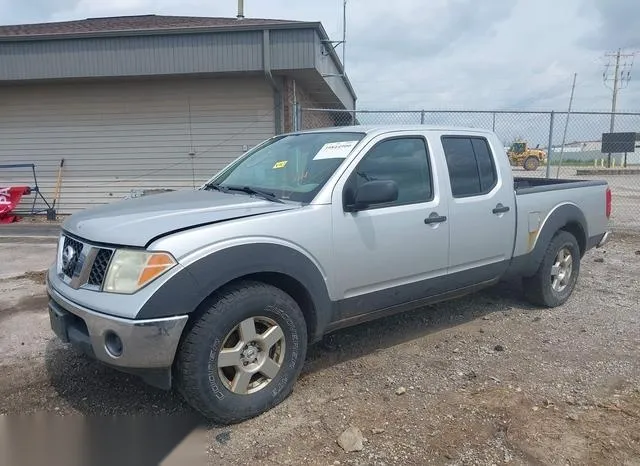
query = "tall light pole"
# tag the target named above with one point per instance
(566, 124)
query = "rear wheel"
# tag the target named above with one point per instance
(531, 163)
(557, 274)
(244, 354)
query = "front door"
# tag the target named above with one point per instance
(392, 253)
(482, 211)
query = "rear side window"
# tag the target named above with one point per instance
(486, 169)
(472, 171)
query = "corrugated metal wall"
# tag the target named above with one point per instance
(122, 135)
(293, 49)
(174, 54)
(131, 56)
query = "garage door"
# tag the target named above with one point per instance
(119, 137)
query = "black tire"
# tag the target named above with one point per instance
(538, 288)
(196, 369)
(531, 163)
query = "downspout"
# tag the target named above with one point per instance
(296, 123)
(277, 89)
(354, 119)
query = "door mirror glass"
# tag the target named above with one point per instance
(375, 192)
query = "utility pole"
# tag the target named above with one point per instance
(621, 77)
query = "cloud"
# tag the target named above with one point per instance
(417, 54)
(617, 25)
(413, 30)
(31, 11)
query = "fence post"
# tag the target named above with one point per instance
(297, 115)
(294, 117)
(422, 117)
(493, 122)
(549, 148)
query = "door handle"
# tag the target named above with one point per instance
(435, 218)
(501, 209)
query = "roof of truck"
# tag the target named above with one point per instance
(381, 129)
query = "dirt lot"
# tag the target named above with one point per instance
(487, 379)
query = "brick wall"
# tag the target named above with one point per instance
(314, 120)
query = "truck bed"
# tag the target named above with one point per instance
(536, 198)
(523, 185)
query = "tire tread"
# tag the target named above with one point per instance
(187, 367)
(536, 287)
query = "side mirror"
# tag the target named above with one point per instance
(374, 192)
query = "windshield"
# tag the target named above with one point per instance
(517, 147)
(292, 167)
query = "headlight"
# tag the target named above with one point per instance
(130, 270)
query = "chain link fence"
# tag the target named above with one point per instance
(575, 141)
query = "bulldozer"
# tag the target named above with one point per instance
(520, 155)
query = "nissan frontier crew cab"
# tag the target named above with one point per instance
(219, 291)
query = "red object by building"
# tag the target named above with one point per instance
(9, 199)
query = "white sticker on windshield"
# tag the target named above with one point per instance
(335, 150)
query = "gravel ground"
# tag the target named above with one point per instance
(485, 379)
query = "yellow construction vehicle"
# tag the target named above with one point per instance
(522, 156)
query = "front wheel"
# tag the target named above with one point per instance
(531, 163)
(244, 353)
(557, 274)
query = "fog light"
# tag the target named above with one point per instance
(113, 344)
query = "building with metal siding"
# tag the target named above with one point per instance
(152, 101)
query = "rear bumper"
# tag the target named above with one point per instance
(127, 344)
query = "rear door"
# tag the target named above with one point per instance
(481, 209)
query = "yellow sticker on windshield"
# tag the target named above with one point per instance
(280, 164)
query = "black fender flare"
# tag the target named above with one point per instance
(187, 289)
(568, 217)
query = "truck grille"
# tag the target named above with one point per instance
(82, 264)
(99, 268)
(70, 260)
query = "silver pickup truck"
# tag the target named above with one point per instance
(219, 291)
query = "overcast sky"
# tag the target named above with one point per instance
(435, 54)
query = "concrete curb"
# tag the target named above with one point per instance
(608, 171)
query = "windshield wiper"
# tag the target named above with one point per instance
(215, 187)
(249, 190)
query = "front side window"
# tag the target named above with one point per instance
(403, 160)
(291, 167)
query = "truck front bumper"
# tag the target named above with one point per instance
(136, 346)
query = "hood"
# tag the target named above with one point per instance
(136, 222)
